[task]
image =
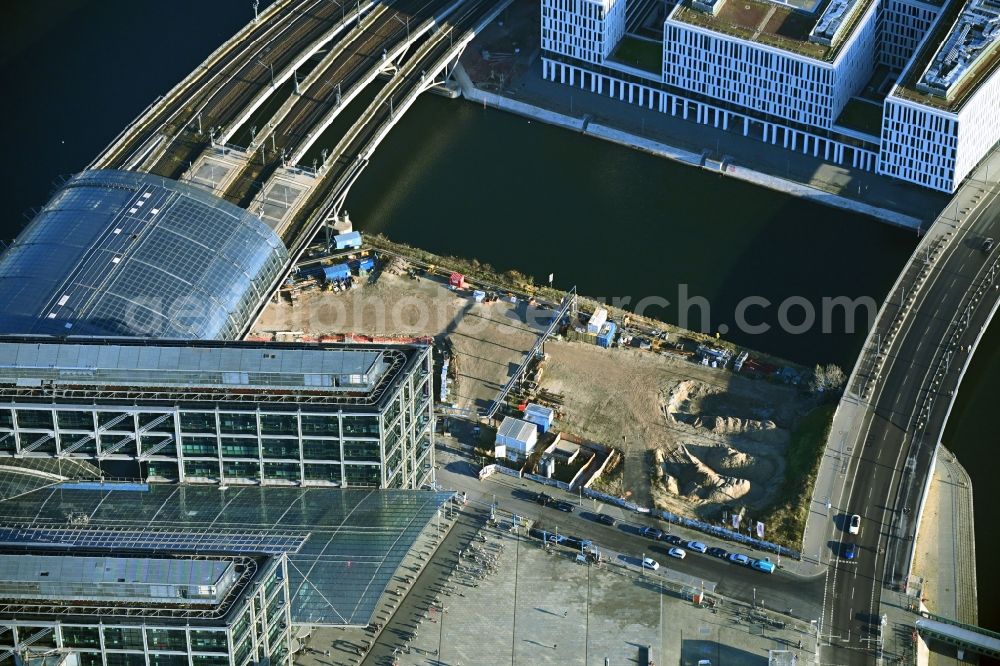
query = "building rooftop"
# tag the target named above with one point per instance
(125, 253)
(818, 35)
(79, 585)
(517, 429)
(962, 50)
(149, 580)
(539, 411)
(343, 546)
(240, 371)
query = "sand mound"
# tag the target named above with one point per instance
(685, 474)
(728, 458)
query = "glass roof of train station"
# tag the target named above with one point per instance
(130, 254)
(344, 546)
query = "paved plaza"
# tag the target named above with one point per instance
(507, 600)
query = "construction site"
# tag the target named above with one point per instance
(665, 419)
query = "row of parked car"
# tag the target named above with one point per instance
(559, 505)
(678, 545)
(678, 550)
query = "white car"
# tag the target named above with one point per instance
(679, 553)
(697, 546)
(855, 525)
(650, 563)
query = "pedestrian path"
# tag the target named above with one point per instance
(945, 555)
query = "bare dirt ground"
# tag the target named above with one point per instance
(695, 438)
(488, 340)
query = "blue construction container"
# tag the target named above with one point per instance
(540, 416)
(607, 335)
(336, 272)
(347, 241)
(366, 264)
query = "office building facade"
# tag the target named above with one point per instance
(223, 413)
(784, 73)
(137, 609)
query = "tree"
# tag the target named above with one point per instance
(830, 378)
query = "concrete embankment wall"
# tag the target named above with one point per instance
(585, 126)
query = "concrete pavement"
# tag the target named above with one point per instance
(526, 92)
(946, 546)
(786, 590)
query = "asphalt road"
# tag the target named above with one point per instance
(896, 439)
(781, 591)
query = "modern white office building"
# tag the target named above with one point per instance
(904, 25)
(943, 114)
(811, 76)
(587, 30)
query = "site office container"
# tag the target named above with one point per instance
(607, 335)
(347, 241)
(336, 272)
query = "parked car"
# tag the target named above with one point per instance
(851, 551)
(650, 563)
(854, 527)
(673, 538)
(765, 565)
(721, 553)
(563, 506)
(679, 553)
(651, 532)
(606, 519)
(697, 546)
(739, 558)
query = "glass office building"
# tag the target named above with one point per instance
(225, 413)
(136, 609)
(344, 547)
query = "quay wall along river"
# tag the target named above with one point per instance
(458, 179)
(455, 178)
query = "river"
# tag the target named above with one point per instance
(458, 179)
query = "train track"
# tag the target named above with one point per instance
(221, 86)
(350, 156)
(335, 82)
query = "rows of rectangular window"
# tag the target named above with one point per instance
(47, 419)
(122, 638)
(920, 176)
(197, 446)
(80, 444)
(236, 470)
(749, 77)
(137, 659)
(229, 423)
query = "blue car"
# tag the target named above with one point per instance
(765, 565)
(851, 551)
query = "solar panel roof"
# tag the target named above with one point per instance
(344, 545)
